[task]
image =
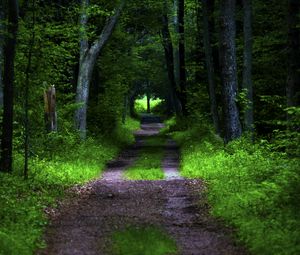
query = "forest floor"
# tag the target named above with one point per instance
(96, 214)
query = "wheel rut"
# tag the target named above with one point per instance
(85, 223)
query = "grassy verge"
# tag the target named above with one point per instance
(22, 217)
(251, 187)
(149, 164)
(143, 240)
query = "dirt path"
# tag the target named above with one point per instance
(85, 223)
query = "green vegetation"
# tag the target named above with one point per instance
(236, 62)
(149, 164)
(253, 187)
(141, 104)
(24, 203)
(143, 240)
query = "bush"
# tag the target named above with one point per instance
(251, 186)
(64, 162)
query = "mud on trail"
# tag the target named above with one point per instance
(85, 223)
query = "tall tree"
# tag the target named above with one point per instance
(247, 70)
(176, 41)
(9, 51)
(1, 50)
(232, 125)
(181, 53)
(293, 80)
(88, 57)
(169, 56)
(208, 9)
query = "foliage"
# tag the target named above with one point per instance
(141, 104)
(147, 240)
(24, 203)
(251, 186)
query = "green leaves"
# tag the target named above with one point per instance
(254, 187)
(96, 10)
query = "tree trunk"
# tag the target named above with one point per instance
(181, 52)
(207, 6)
(2, 17)
(8, 90)
(232, 124)
(125, 108)
(50, 109)
(247, 71)
(88, 58)
(27, 83)
(131, 106)
(176, 42)
(148, 102)
(168, 49)
(293, 80)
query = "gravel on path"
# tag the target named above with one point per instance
(85, 222)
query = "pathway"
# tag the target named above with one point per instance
(85, 224)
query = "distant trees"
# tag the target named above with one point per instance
(88, 57)
(9, 51)
(154, 43)
(232, 126)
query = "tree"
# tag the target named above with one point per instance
(27, 83)
(1, 50)
(8, 89)
(247, 70)
(207, 6)
(88, 57)
(293, 80)
(169, 56)
(181, 53)
(232, 126)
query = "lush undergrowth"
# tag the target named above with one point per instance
(149, 164)
(142, 240)
(24, 203)
(251, 186)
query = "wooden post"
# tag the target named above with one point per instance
(50, 109)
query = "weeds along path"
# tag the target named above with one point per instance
(116, 216)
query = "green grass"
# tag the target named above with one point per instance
(149, 164)
(143, 241)
(22, 217)
(251, 187)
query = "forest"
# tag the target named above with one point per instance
(150, 127)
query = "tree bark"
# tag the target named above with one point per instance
(181, 52)
(232, 126)
(293, 80)
(8, 90)
(176, 42)
(125, 108)
(50, 109)
(27, 83)
(2, 16)
(88, 58)
(207, 6)
(247, 70)
(169, 56)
